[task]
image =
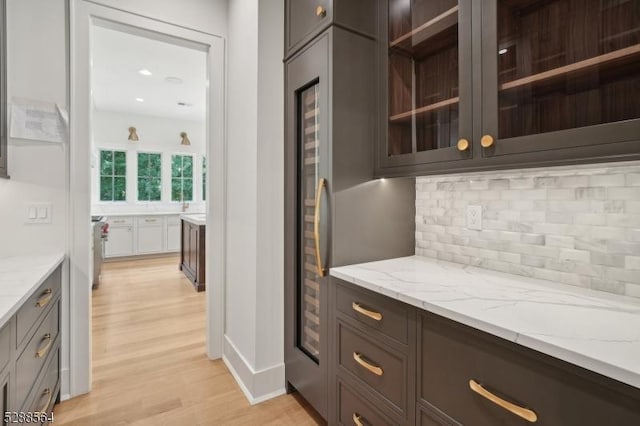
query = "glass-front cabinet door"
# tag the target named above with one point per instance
(560, 74)
(428, 81)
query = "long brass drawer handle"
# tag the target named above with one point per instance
(525, 413)
(44, 298)
(372, 368)
(357, 419)
(43, 350)
(367, 313)
(49, 394)
(322, 183)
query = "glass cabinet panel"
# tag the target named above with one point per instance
(423, 75)
(566, 64)
(308, 166)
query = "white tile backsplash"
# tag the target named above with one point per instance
(576, 225)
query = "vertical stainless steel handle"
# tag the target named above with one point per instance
(322, 183)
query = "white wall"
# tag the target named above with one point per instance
(254, 333)
(37, 69)
(158, 135)
(209, 16)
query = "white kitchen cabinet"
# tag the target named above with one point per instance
(120, 241)
(151, 235)
(173, 233)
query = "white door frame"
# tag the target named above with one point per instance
(84, 14)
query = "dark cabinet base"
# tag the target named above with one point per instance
(192, 253)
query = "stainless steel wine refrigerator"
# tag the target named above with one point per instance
(335, 212)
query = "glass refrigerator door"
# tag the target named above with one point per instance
(308, 279)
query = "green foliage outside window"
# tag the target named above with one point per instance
(149, 177)
(181, 178)
(204, 178)
(113, 175)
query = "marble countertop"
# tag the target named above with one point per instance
(20, 276)
(195, 218)
(594, 330)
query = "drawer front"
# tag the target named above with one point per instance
(150, 221)
(382, 368)
(44, 395)
(432, 417)
(378, 312)
(120, 221)
(5, 345)
(451, 355)
(38, 303)
(352, 407)
(35, 355)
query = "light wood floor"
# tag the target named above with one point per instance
(149, 362)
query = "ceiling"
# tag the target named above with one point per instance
(117, 57)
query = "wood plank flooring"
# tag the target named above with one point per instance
(149, 362)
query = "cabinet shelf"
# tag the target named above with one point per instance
(406, 116)
(606, 61)
(411, 40)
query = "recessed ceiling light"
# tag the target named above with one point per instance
(173, 80)
(144, 71)
(502, 51)
(139, 99)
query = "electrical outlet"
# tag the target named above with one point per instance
(474, 217)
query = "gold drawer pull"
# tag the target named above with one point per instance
(49, 395)
(43, 350)
(373, 368)
(321, 12)
(150, 220)
(525, 413)
(357, 419)
(120, 221)
(44, 298)
(463, 144)
(371, 314)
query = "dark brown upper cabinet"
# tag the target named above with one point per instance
(306, 19)
(3, 91)
(508, 83)
(426, 55)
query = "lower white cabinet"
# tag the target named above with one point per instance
(151, 234)
(120, 241)
(140, 235)
(173, 234)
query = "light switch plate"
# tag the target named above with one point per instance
(474, 217)
(38, 213)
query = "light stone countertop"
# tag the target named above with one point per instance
(195, 218)
(20, 276)
(136, 214)
(594, 330)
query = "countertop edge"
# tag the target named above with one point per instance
(595, 365)
(59, 259)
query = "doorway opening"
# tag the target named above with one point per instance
(147, 149)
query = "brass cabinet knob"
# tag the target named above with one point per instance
(321, 11)
(487, 141)
(463, 144)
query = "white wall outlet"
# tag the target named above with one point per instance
(474, 217)
(38, 213)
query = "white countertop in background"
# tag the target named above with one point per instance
(143, 214)
(195, 218)
(595, 330)
(20, 276)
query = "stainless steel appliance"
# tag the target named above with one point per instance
(100, 234)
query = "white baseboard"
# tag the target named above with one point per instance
(257, 386)
(64, 384)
